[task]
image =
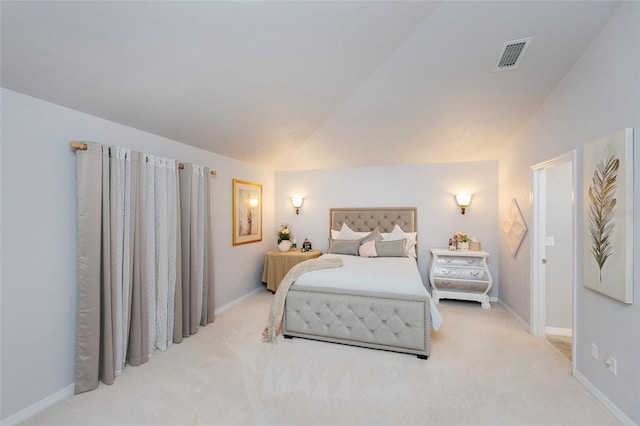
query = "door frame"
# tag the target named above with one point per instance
(538, 246)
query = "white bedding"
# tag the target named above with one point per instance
(398, 275)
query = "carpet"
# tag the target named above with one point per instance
(484, 368)
(562, 344)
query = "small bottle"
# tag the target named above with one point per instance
(293, 244)
(451, 246)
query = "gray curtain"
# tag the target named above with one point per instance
(131, 250)
(194, 299)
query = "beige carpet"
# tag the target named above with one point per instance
(484, 369)
(561, 343)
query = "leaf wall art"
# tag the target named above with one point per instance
(608, 215)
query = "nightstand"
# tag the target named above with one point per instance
(460, 274)
(278, 263)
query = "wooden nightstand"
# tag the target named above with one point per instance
(277, 264)
(460, 274)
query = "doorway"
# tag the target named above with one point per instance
(553, 252)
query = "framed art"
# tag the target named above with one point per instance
(247, 212)
(514, 228)
(607, 236)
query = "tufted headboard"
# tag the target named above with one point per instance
(367, 219)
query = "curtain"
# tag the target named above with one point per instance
(194, 298)
(131, 250)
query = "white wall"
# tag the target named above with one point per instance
(559, 274)
(39, 237)
(429, 187)
(598, 96)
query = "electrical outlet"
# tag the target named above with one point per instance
(594, 351)
(613, 365)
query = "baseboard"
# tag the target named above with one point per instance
(238, 300)
(556, 331)
(514, 315)
(622, 417)
(39, 406)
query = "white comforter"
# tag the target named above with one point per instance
(382, 274)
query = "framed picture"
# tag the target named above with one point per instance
(514, 228)
(247, 212)
(607, 236)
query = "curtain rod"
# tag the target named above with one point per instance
(82, 146)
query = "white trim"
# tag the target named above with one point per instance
(537, 268)
(238, 300)
(39, 406)
(515, 316)
(618, 413)
(556, 331)
(537, 313)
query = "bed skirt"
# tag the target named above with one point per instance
(387, 321)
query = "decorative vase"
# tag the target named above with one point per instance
(284, 245)
(463, 245)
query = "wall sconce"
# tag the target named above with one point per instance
(253, 202)
(296, 202)
(463, 201)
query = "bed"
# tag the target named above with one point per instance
(356, 304)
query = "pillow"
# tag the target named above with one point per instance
(397, 234)
(335, 234)
(368, 249)
(391, 248)
(371, 236)
(347, 233)
(349, 247)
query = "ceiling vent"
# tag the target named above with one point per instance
(511, 54)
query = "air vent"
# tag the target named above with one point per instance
(511, 54)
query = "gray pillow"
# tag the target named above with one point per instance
(391, 248)
(344, 247)
(372, 236)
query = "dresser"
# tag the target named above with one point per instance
(460, 274)
(278, 263)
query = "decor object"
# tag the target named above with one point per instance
(284, 233)
(514, 228)
(284, 245)
(460, 275)
(463, 201)
(296, 202)
(607, 252)
(247, 212)
(461, 241)
(475, 245)
(306, 245)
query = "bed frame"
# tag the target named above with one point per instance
(387, 321)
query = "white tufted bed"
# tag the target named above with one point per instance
(378, 303)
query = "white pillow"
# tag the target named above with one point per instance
(347, 233)
(368, 249)
(397, 234)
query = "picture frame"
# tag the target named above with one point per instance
(247, 212)
(515, 228)
(607, 235)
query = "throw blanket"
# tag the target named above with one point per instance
(277, 306)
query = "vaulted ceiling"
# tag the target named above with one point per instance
(302, 85)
